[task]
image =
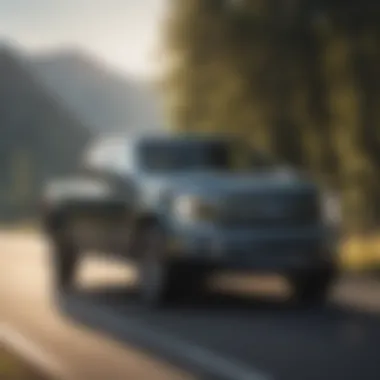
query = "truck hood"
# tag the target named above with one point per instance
(218, 183)
(278, 179)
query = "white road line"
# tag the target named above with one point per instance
(32, 352)
(203, 357)
(209, 360)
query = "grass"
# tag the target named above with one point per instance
(27, 226)
(361, 253)
(13, 367)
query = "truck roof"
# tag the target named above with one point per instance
(164, 136)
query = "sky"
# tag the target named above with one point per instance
(125, 33)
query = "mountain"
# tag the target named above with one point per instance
(101, 97)
(39, 137)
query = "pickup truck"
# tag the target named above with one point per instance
(180, 207)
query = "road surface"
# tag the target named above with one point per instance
(231, 336)
(28, 316)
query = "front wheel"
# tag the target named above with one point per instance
(163, 281)
(313, 287)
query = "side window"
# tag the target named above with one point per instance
(116, 157)
(109, 155)
(94, 157)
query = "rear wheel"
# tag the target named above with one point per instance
(64, 265)
(64, 256)
(163, 281)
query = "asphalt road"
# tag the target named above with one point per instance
(250, 332)
(29, 319)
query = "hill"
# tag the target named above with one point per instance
(39, 138)
(102, 98)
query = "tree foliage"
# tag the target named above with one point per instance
(300, 78)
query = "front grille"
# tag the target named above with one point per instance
(273, 210)
(274, 247)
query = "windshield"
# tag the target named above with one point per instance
(210, 155)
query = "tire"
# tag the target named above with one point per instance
(313, 287)
(164, 282)
(192, 280)
(64, 266)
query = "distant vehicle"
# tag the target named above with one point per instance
(181, 207)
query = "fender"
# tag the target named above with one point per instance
(59, 195)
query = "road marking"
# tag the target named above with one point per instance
(207, 359)
(216, 365)
(32, 352)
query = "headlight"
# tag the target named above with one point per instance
(188, 208)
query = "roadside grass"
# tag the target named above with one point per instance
(361, 253)
(26, 226)
(13, 367)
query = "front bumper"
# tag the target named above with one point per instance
(281, 250)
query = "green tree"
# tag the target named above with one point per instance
(299, 78)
